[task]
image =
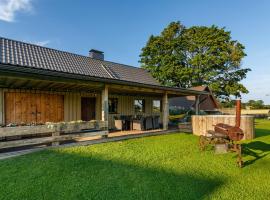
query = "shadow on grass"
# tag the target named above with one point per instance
(257, 150)
(59, 175)
(261, 132)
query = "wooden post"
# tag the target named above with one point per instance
(197, 104)
(165, 106)
(105, 106)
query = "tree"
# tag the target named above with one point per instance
(256, 104)
(199, 55)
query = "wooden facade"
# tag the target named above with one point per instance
(41, 85)
(36, 106)
(28, 112)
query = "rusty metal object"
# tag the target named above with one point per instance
(224, 133)
(233, 132)
(238, 113)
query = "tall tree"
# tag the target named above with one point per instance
(199, 55)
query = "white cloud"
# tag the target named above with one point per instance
(42, 43)
(8, 8)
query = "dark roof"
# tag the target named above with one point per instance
(207, 102)
(33, 56)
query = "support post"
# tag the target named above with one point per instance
(197, 104)
(165, 107)
(105, 106)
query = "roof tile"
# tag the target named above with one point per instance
(29, 55)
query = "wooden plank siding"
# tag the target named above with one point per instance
(71, 106)
(26, 107)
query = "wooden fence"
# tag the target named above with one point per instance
(53, 133)
(254, 112)
(202, 123)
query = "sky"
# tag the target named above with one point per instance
(121, 28)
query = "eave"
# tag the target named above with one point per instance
(50, 75)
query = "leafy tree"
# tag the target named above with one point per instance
(231, 104)
(256, 104)
(228, 104)
(199, 55)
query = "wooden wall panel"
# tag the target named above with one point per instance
(18, 108)
(32, 107)
(9, 107)
(72, 105)
(42, 107)
(32, 102)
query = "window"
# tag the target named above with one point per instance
(139, 105)
(156, 106)
(113, 103)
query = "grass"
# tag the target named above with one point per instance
(159, 167)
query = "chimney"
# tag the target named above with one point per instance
(95, 54)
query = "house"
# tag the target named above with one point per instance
(39, 85)
(207, 102)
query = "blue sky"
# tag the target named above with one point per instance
(121, 28)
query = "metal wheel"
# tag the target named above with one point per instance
(202, 142)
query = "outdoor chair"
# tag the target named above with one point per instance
(118, 123)
(155, 122)
(148, 123)
(128, 122)
(138, 123)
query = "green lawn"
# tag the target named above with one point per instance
(159, 167)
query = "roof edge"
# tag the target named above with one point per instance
(28, 70)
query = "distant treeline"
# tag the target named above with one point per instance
(251, 104)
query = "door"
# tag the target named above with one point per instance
(38, 108)
(88, 108)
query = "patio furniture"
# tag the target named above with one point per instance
(127, 121)
(155, 122)
(138, 123)
(118, 123)
(124, 122)
(148, 123)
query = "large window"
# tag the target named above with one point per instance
(156, 106)
(113, 103)
(139, 105)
